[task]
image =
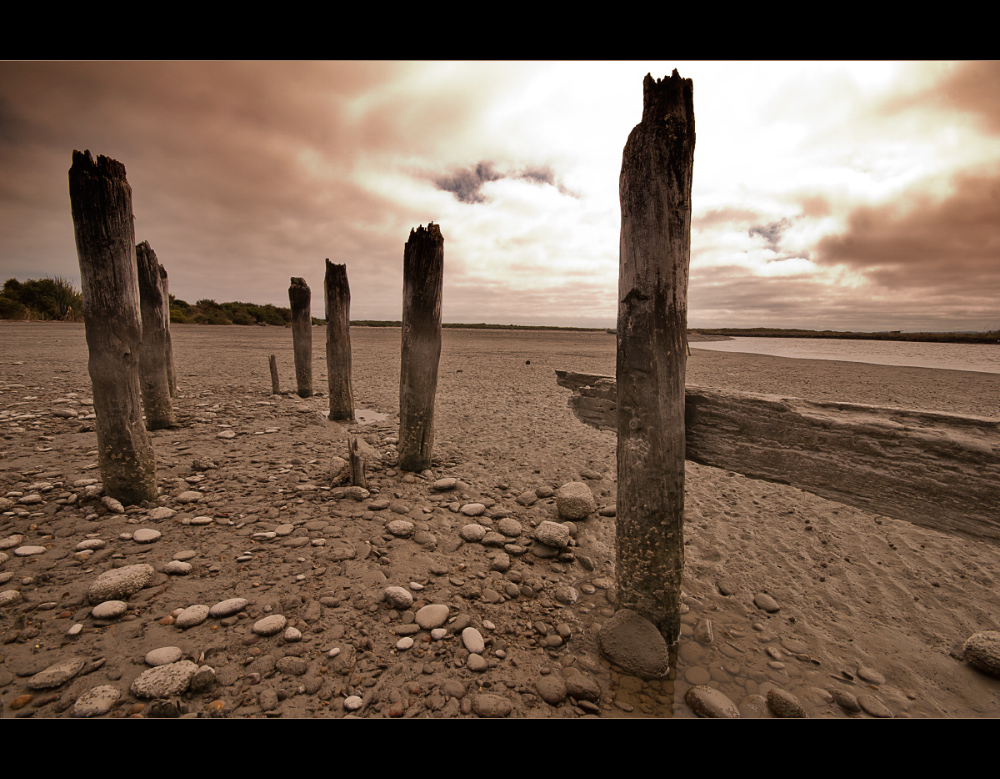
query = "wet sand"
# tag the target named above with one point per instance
(869, 606)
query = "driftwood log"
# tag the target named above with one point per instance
(338, 343)
(168, 343)
(940, 471)
(272, 364)
(154, 375)
(299, 298)
(654, 254)
(101, 204)
(423, 281)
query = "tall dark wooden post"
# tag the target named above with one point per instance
(655, 249)
(338, 342)
(101, 203)
(299, 297)
(168, 343)
(154, 381)
(423, 281)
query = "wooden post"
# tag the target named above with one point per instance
(338, 342)
(423, 280)
(153, 379)
(168, 345)
(299, 297)
(655, 249)
(273, 365)
(101, 203)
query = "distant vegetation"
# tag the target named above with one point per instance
(48, 298)
(989, 336)
(208, 312)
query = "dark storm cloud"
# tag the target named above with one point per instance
(771, 233)
(951, 244)
(466, 184)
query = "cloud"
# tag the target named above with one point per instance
(771, 233)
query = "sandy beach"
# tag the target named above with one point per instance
(872, 612)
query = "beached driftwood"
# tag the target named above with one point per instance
(154, 379)
(423, 281)
(338, 342)
(936, 470)
(101, 204)
(655, 251)
(299, 298)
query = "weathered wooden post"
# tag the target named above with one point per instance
(338, 342)
(272, 363)
(168, 345)
(655, 249)
(423, 280)
(101, 203)
(154, 381)
(299, 297)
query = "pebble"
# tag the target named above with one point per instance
(228, 608)
(871, 675)
(472, 639)
(982, 652)
(784, 704)
(401, 528)
(551, 689)
(432, 616)
(192, 616)
(177, 568)
(404, 643)
(9, 597)
(476, 663)
(164, 680)
(444, 484)
(472, 533)
(473, 509)
(398, 598)
(163, 656)
(112, 505)
(575, 501)
(766, 602)
(269, 625)
(145, 535)
(553, 534)
(120, 583)
(160, 513)
(189, 496)
(11, 541)
(96, 701)
(110, 609)
(91, 543)
(353, 703)
(874, 706)
(28, 551)
(847, 701)
(55, 675)
(631, 641)
(490, 705)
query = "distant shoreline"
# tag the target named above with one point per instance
(992, 337)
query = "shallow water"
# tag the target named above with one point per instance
(984, 358)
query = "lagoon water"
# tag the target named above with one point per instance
(984, 358)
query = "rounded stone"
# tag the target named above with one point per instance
(874, 706)
(120, 583)
(96, 701)
(353, 703)
(177, 568)
(404, 643)
(982, 652)
(476, 663)
(163, 656)
(473, 509)
(160, 513)
(228, 608)
(632, 642)
(191, 616)
(292, 635)
(398, 597)
(145, 535)
(472, 639)
(91, 543)
(473, 533)
(871, 675)
(447, 483)
(269, 625)
(9, 597)
(553, 534)
(551, 689)
(28, 551)
(164, 680)
(432, 616)
(110, 609)
(55, 675)
(489, 705)
(401, 528)
(708, 702)
(784, 704)
(766, 602)
(509, 527)
(575, 501)
(847, 701)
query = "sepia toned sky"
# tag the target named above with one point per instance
(855, 196)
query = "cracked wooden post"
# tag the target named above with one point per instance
(423, 280)
(299, 297)
(356, 462)
(655, 249)
(168, 344)
(101, 204)
(272, 363)
(338, 342)
(154, 381)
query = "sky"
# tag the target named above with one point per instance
(826, 195)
